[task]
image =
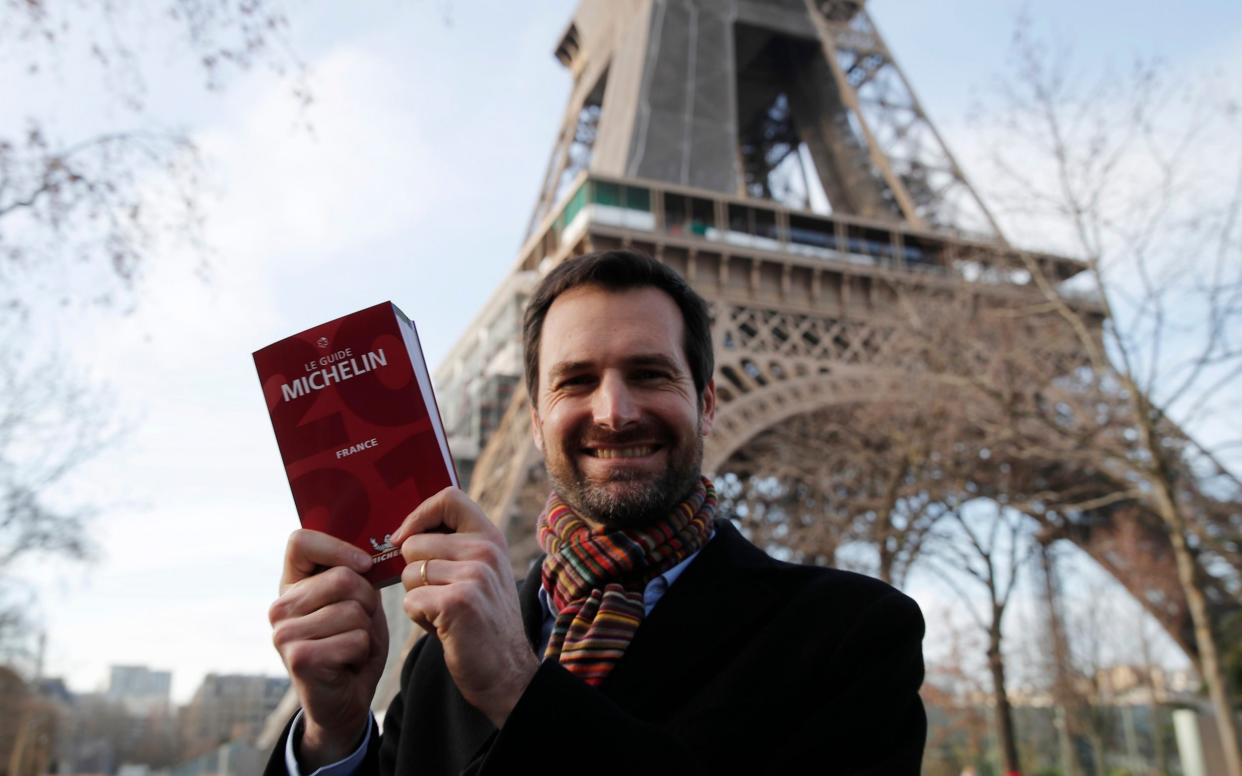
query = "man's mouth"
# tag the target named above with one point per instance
(634, 451)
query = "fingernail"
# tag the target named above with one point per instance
(362, 560)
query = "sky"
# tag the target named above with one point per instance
(428, 134)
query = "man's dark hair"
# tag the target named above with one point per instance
(621, 270)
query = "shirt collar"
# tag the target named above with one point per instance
(652, 593)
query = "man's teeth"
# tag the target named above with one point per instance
(623, 452)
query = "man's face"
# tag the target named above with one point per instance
(617, 418)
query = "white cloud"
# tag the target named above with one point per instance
(317, 193)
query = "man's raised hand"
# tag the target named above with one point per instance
(330, 631)
(459, 585)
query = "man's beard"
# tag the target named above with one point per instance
(642, 500)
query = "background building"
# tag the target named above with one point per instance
(139, 689)
(229, 707)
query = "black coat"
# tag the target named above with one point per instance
(747, 665)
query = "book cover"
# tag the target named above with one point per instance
(358, 428)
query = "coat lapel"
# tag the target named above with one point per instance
(721, 597)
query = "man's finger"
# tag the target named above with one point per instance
(343, 649)
(425, 605)
(309, 552)
(451, 547)
(335, 584)
(437, 571)
(451, 508)
(339, 617)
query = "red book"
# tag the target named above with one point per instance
(358, 428)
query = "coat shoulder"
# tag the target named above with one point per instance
(797, 584)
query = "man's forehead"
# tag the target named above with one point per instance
(589, 323)
(628, 360)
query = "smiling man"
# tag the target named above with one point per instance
(652, 637)
(621, 416)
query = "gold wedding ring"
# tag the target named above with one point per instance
(422, 572)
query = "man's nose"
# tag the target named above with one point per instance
(613, 405)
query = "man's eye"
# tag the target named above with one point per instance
(576, 380)
(650, 374)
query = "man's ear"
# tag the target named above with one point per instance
(534, 428)
(708, 404)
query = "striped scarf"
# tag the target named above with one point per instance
(595, 577)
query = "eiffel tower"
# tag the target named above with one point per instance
(773, 152)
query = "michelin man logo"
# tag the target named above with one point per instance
(322, 342)
(386, 546)
(383, 551)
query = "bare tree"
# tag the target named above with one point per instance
(955, 688)
(1065, 447)
(1144, 183)
(1144, 637)
(873, 475)
(1059, 664)
(83, 213)
(51, 423)
(981, 549)
(97, 201)
(1083, 396)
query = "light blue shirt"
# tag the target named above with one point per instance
(652, 594)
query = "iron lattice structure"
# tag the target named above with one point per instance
(774, 153)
